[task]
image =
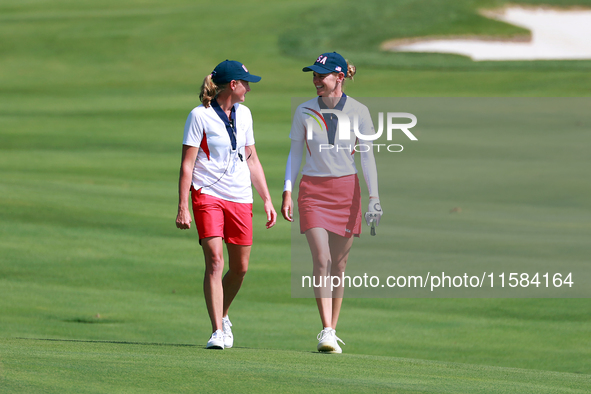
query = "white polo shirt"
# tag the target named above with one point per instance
(220, 171)
(324, 159)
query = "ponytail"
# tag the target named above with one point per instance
(351, 70)
(209, 90)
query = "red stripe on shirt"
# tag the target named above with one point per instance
(204, 145)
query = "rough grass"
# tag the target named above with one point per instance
(357, 30)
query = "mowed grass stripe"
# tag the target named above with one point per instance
(77, 366)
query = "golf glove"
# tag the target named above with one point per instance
(374, 212)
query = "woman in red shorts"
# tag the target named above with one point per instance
(219, 164)
(329, 200)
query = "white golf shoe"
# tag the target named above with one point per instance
(228, 336)
(327, 341)
(216, 341)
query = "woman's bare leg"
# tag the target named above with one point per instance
(238, 263)
(318, 241)
(213, 250)
(339, 252)
(329, 256)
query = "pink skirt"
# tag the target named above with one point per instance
(331, 203)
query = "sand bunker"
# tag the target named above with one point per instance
(555, 35)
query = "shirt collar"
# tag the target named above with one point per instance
(229, 124)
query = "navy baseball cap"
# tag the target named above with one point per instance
(329, 62)
(230, 70)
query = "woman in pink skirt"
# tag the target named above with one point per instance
(329, 200)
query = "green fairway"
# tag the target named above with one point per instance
(93, 100)
(88, 367)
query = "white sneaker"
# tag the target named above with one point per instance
(228, 336)
(216, 341)
(327, 341)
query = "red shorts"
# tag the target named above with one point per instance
(215, 217)
(331, 203)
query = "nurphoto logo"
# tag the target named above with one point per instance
(344, 129)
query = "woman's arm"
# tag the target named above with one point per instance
(370, 172)
(183, 217)
(294, 162)
(257, 177)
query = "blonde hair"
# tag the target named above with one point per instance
(351, 70)
(209, 90)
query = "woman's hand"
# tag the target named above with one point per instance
(287, 206)
(183, 219)
(271, 214)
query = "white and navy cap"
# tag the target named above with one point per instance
(329, 62)
(231, 70)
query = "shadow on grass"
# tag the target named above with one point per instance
(128, 343)
(93, 321)
(113, 342)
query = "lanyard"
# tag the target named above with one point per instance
(229, 124)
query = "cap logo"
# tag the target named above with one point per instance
(338, 68)
(321, 59)
(244, 67)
